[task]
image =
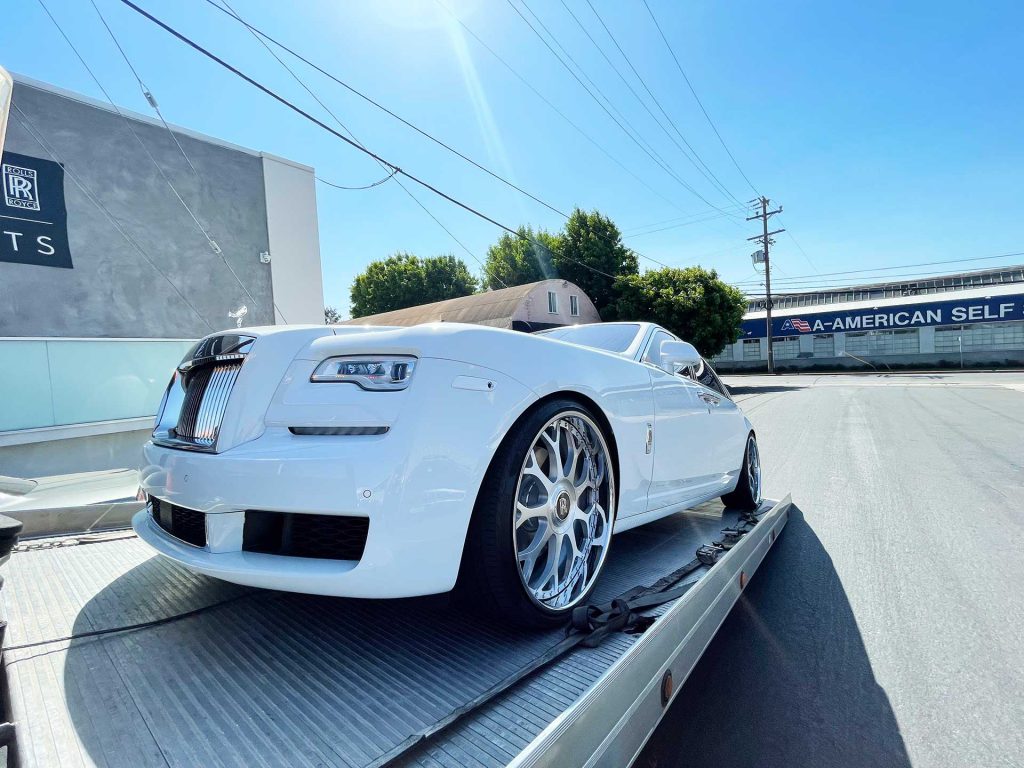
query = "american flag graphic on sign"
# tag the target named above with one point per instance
(797, 324)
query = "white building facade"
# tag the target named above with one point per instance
(968, 320)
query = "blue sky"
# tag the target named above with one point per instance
(891, 133)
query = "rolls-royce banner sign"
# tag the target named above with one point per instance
(33, 218)
(955, 312)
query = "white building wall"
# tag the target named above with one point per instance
(294, 239)
(535, 308)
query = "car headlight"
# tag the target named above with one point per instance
(378, 374)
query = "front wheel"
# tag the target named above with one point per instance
(543, 520)
(748, 488)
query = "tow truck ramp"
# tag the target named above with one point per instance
(115, 657)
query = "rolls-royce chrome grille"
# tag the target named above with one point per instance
(206, 397)
(197, 396)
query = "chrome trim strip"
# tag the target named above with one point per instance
(213, 403)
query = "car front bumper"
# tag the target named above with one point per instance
(416, 484)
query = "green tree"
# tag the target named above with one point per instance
(446, 277)
(591, 254)
(405, 280)
(331, 316)
(693, 303)
(517, 260)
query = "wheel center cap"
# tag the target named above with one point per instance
(562, 505)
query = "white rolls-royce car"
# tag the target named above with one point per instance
(392, 462)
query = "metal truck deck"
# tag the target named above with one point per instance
(209, 673)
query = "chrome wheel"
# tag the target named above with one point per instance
(753, 471)
(564, 511)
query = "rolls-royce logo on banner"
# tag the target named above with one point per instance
(33, 218)
(20, 187)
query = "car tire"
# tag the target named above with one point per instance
(541, 526)
(748, 488)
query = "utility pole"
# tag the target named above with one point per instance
(766, 240)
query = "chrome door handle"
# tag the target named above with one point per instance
(709, 399)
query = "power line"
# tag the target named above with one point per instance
(911, 278)
(657, 161)
(394, 170)
(350, 141)
(364, 186)
(636, 95)
(873, 270)
(714, 127)
(230, 12)
(657, 103)
(384, 163)
(697, 98)
(262, 38)
(258, 34)
(696, 214)
(149, 97)
(553, 107)
(210, 241)
(36, 134)
(801, 249)
(145, 90)
(709, 217)
(298, 110)
(590, 80)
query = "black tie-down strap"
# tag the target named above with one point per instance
(709, 554)
(589, 626)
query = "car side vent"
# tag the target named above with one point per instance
(329, 537)
(339, 430)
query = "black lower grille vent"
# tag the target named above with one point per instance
(331, 537)
(181, 522)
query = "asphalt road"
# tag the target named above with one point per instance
(886, 627)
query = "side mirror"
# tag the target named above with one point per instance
(677, 354)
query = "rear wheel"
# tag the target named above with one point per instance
(748, 489)
(543, 520)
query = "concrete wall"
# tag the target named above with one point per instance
(63, 456)
(112, 291)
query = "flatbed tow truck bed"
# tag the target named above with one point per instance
(116, 657)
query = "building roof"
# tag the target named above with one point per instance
(895, 289)
(106, 106)
(494, 308)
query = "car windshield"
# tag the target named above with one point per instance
(612, 337)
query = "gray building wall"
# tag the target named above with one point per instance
(112, 291)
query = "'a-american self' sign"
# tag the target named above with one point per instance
(953, 312)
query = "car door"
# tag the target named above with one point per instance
(682, 469)
(726, 430)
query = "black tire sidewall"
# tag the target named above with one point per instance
(490, 569)
(741, 497)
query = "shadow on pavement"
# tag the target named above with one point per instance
(786, 681)
(755, 389)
